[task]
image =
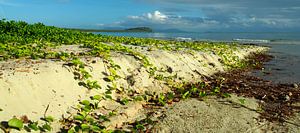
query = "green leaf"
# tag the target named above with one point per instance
(216, 90)
(77, 129)
(185, 95)
(97, 97)
(85, 102)
(162, 96)
(87, 108)
(85, 126)
(118, 66)
(138, 98)
(83, 113)
(79, 117)
(110, 78)
(33, 126)
(108, 96)
(96, 128)
(202, 94)
(140, 127)
(202, 85)
(15, 123)
(108, 92)
(242, 101)
(104, 118)
(113, 113)
(226, 95)
(124, 101)
(47, 127)
(71, 130)
(49, 119)
(162, 102)
(194, 90)
(89, 119)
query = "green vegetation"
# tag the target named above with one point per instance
(22, 40)
(15, 123)
(139, 29)
(86, 120)
(24, 123)
(37, 41)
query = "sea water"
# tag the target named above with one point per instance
(285, 47)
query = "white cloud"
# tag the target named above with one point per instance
(268, 21)
(100, 25)
(237, 14)
(157, 16)
(160, 20)
(133, 17)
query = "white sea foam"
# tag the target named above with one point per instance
(183, 39)
(251, 40)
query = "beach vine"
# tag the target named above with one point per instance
(20, 40)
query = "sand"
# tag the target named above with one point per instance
(211, 115)
(216, 115)
(27, 87)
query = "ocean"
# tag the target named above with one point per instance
(285, 47)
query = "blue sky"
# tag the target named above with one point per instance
(187, 15)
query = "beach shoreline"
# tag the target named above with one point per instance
(70, 81)
(42, 84)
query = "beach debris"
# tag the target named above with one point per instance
(169, 69)
(296, 85)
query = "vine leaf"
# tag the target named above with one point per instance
(15, 123)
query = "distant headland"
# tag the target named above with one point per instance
(136, 29)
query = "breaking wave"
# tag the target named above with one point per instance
(252, 40)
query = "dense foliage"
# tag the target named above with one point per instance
(20, 39)
(24, 33)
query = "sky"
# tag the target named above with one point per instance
(184, 15)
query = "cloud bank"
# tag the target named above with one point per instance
(229, 15)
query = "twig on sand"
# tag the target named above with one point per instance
(46, 110)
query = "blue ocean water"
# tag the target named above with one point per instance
(285, 47)
(213, 36)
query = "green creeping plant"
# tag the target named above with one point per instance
(242, 101)
(19, 39)
(92, 85)
(19, 124)
(186, 94)
(202, 94)
(86, 120)
(15, 123)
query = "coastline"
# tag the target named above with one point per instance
(255, 105)
(70, 81)
(42, 83)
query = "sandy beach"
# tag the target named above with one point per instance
(31, 87)
(64, 80)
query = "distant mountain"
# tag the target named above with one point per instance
(136, 29)
(139, 29)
